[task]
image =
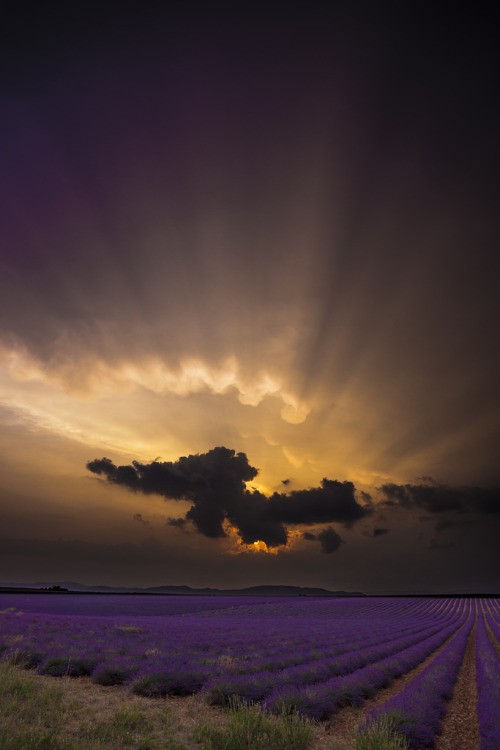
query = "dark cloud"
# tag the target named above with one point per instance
(286, 482)
(333, 501)
(179, 523)
(308, 536)
(214, 482)
(379, 532)
(329, 539)
(442, 498)
(138, 517)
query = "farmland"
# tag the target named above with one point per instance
(372, 660)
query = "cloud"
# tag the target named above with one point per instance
(138, 517)
(329, 539)
(333, 501)
(442, 498)
(179, 523)
(379, 532)
(309, 537)
(215, 484)
(80, 371)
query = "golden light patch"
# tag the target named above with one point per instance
(88, 377)
(257, 548)
(236, 547)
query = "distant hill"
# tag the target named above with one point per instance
(254, 591)
(58, 587)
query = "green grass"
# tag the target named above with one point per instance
(37, 714)
(381, 735)
(248, 727)
(29, 717)
(127, 629)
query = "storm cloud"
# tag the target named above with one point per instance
(332, 501)
(215, 484)
(442, 498)
(329, 539)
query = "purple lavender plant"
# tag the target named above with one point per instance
(418, 709)
(488, 688)
(232, 646)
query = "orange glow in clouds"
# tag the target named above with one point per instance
(237, 547)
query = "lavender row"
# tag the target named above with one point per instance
(495, 607)
(417, 711)
(191, 637)
(320, 701)
(488, 688)
(159, 605)
(281, 658)
(181, 653)
(365, 633)
(255, 687)
(77, 645)
(100, 605)
(345, 650)
(168, 678)
(211, 639)
(494, 625)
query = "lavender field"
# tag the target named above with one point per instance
(304, 655)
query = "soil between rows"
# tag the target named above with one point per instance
(460, 727)
(343, 725)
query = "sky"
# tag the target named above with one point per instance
(249, 302)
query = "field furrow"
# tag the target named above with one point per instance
(346, 722)
(417, 711)
(459, 726)
(488, 688)
(348, 661)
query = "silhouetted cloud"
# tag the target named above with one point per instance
(179, 523)
(333, 501)
(214, 482)
(379, 532)
(309, 537)
(442, 498)
(329, 539)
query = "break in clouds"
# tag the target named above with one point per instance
(215, 485)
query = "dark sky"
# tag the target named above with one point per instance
(249, 303)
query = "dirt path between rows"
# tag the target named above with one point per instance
(460, 727)
(492, 637)
(342, 727)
